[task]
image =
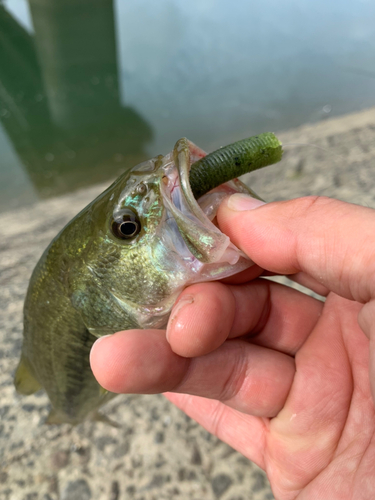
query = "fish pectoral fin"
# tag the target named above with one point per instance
(24, 381)
(99, 417)
(100, 331)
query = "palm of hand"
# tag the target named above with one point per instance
(324, 422)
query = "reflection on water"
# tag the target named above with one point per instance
(87, 88)
(59, 96)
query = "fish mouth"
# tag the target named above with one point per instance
(189, 224)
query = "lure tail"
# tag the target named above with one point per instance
(233, 161)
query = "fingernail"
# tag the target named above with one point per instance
(101, 338)
(96, 343)
(241, 202)
(186, 299)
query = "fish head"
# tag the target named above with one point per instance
(149, 238)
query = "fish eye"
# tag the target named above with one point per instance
(126, 226)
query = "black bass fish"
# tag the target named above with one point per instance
(122, 262)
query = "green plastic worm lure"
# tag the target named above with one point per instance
(122, 262)
(233, 161)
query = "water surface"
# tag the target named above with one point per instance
(87, 89)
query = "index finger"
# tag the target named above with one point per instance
(327, 239)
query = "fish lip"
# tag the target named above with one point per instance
(203, 240)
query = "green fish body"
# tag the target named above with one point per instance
(119, 264)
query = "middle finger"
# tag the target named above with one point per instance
(272, 315)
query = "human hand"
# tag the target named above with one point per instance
(280, 376)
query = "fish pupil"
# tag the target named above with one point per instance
(128, 228)
(126, 225)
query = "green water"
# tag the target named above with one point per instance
(88, 88)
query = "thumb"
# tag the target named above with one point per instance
(329, 240)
